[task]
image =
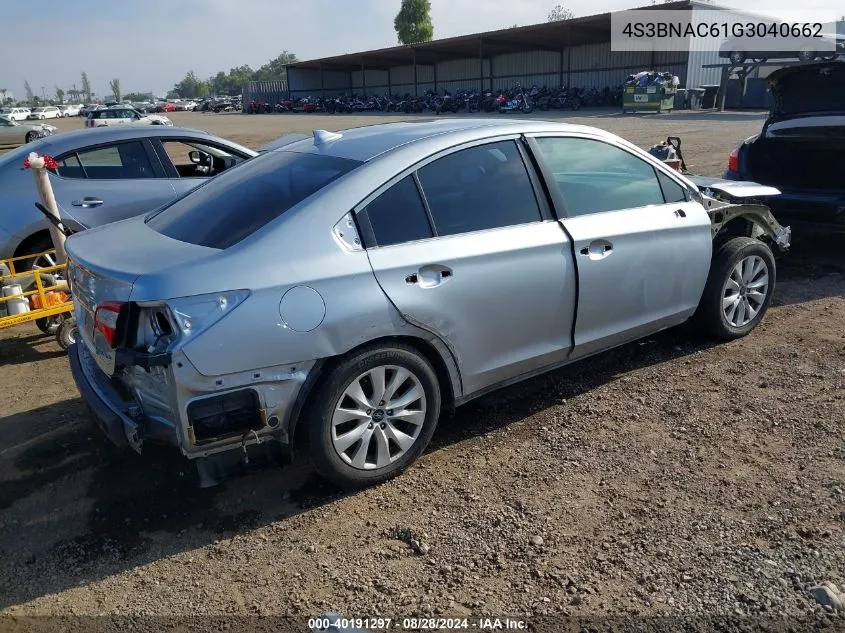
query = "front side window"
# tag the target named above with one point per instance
(192, 159)
(232, 206)
(479, 188)
(398, 214)
(593, 176)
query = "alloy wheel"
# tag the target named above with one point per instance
(745, 291)
(379, 417)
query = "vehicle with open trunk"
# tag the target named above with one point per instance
(801, 149)
(337, 293)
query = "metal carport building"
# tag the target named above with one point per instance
(567, 53)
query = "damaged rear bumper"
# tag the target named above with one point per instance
(176, 405)
(101, 398)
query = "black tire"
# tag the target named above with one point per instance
(30, 136)
(316, 422)
(806, 55)
(727, 255)
(737, 57)
(49, 325)
(38, 246)
(66, 334)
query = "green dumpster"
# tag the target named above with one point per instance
(655, 99)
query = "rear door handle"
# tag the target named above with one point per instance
(87, 202)
(680, 213)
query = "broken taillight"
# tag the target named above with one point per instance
(733, 161)
(105, 320)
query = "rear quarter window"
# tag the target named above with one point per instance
(235, 204)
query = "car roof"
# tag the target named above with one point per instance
(365, 143)
(91, 136)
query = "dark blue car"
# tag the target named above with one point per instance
(801, 149)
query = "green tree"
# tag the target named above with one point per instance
(231, 83)
(191, 87)
(86, 87)
(559, 13)
(413, 22)
(27, 90)
(275, 68)
(137, 96)
(114, 86)
(60, 95)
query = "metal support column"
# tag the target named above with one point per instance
(560, 69)
(322, 84)
(569, 57)
(434, 70)
(363, 79)
(416, 91)
(723, 87)
(480, 63)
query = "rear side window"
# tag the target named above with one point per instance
(479, 188)
(398, 215)
(113, 162)
(238, 202)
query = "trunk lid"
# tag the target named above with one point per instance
(808, 89)
(104, 264)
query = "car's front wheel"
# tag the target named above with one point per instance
(737, 57)
(739, 288)
(372, 415)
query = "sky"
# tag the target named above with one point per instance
(150, 44)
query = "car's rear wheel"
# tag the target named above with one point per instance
(30, 136)
(806, 55)
(739, 289)
(372, 415)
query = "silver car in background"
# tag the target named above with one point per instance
(344, 289)
(104, 175)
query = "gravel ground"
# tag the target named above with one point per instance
(671, 478)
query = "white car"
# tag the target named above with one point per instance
(15, 114)
(123, 116)
(71, 110)
(48, 112)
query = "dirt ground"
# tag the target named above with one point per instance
(671, 478)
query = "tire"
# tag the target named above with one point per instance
(38, 246)
(30, 136)
(727, 269)
(49, 325)
(737, 57)
(338, 464)
(527, 108)
(66, 333)
(806, 55)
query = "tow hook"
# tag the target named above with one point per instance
(243, 443)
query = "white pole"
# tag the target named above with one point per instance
(45, 191)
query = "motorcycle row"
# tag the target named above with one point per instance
(515, 99)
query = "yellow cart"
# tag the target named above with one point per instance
(37, 294)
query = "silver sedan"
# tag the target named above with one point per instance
(345, 289)
(14, 133)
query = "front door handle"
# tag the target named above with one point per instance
(429, 276)
(87, 202)
(597, 249)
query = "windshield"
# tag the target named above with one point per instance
(235, 204)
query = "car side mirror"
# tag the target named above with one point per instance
(195, 157)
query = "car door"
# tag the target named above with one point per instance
(106, 183)
(642, 246)
(465, 247)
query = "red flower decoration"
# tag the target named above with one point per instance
(49, 163)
